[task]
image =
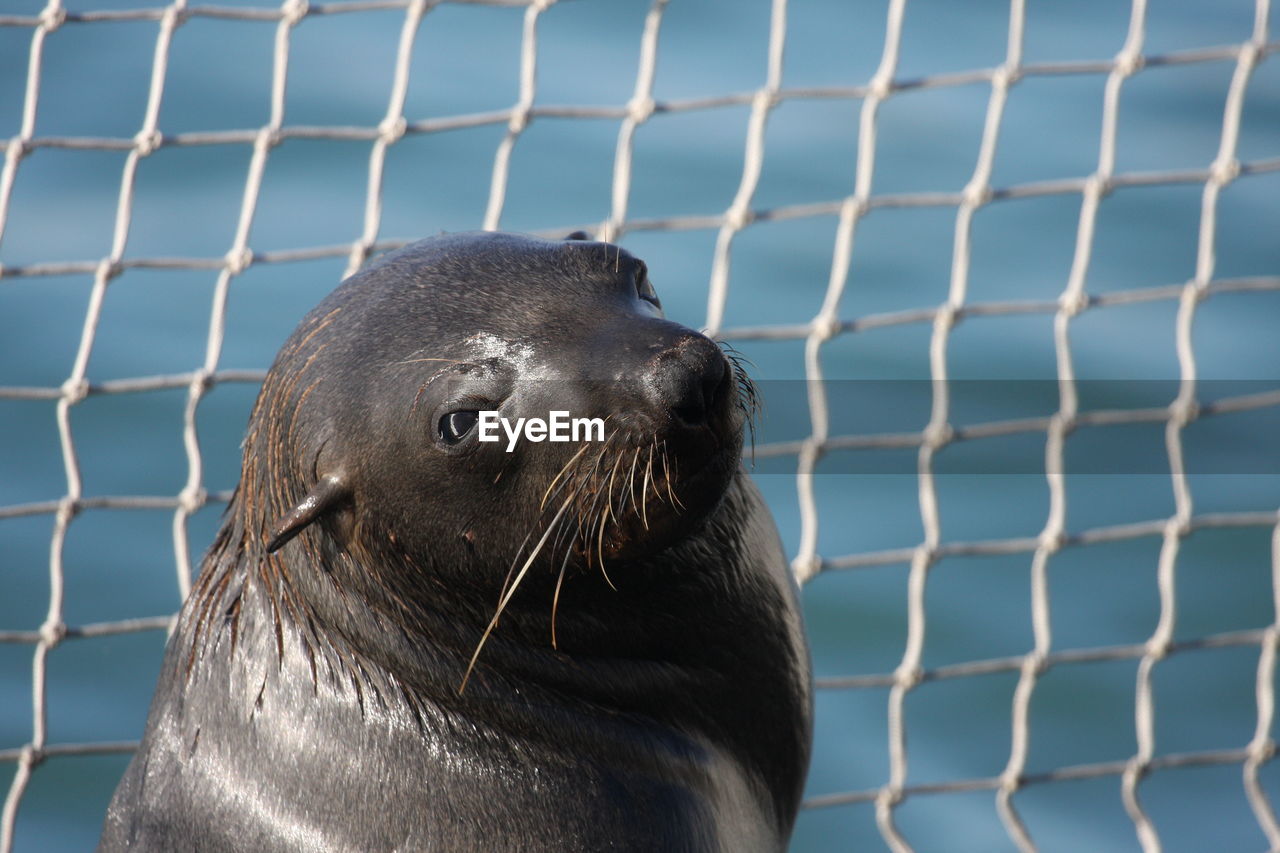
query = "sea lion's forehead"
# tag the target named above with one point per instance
(514, 257)
(487, 297)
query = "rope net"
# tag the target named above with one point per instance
(846, 206)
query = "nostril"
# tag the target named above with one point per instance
(685, 378)
(699, 392)
(714, 383)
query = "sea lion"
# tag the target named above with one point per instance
(404, 638)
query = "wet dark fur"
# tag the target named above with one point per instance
(646, 686)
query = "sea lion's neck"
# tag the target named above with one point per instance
(613, 639)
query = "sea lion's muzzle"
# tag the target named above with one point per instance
(660, 377)
(686, 381)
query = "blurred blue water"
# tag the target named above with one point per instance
(466, 59)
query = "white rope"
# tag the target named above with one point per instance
(846, 207)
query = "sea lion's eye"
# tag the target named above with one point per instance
(455, 425)
(644, 289)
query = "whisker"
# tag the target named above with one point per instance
(644, 489)
(631, 482)
(555, 600)
(514, 560)
(666, 475)
(561, 531)
(572, 459)
(591, 480)
(609, 490)
(595, 526)
(600, 556)
(675, 474)
(507, 598)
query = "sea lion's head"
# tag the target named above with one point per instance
(367, 437)
(375, 542)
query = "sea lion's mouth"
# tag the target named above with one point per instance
(631, 498)
(692, 496)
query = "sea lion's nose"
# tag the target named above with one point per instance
(684, 379)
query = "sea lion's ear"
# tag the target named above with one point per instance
(579, 235)
(324, 495)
